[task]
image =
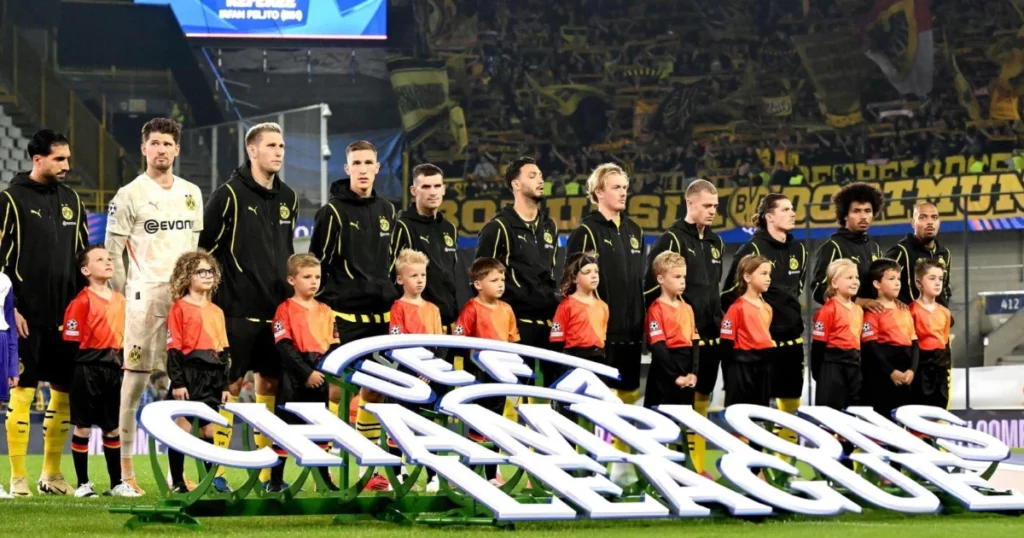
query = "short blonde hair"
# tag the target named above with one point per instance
(409, 257)
(298, 262)
(252, 136)
(701, 186)
(665, 261)
(600, 175)
(834, 270)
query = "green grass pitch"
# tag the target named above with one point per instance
(65, 516)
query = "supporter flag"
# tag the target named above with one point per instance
(643, 116)
(964, 92)
(1009, 54)
(422, 90)
(457, 125)
(567, 97)
(836, 67)
(899, 36)
(1004, 105)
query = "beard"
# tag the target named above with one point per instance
(534, 196)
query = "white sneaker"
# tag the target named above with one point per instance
(4, 494)
(124, 490)
(85, 490)
(434, 485)
(623, 475)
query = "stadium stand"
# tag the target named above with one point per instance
(742, 92)
(13, 145)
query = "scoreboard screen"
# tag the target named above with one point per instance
(280, 19)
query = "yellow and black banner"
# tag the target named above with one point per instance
(422, 89)
(964, 92)
(566, 98)
(836, 65)
(992, 196)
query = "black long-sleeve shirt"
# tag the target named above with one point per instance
(250, 229)
(352, 238)
(858, 247)
(45, 227)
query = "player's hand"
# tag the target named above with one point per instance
(425, 379)
(315, 379)
(871, 305)
(180, 394)
(897, 377)
(12, 382)
(681, 381)
(22, 325)
(902, 306)
(225, 396)
(908, 377)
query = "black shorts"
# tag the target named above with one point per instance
(931, 386)
(205, 383)
(710, 357)
(534, 334)
(291, 390)
(839, 385)
(46, 356)
(747, 381)
(96, 395)
(252, 348)
(787, 366)
(624, 356)
(661, 380)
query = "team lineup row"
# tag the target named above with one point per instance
(247, 226)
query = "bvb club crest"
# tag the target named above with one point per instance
(190, 202)
(634, 243)
(67, 213)
(285, 213)
(135, 356)
(715, 253)
(793, 264)
(384, 224)
(448, 241)
(548, 238)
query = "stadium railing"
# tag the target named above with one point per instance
(99, 163)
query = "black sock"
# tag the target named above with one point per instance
(491, 471)
(112, 455)
(177, 464)
(209, 465)
(277, 471)
(430, 474)
(80, 454)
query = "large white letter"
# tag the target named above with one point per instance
(921, 418)
(157, 419)
(418, 436)
(683, 488)
(824, 457)
(391, 383)
(298, 440)
(584, 492)
(424, 363)
(739, 459)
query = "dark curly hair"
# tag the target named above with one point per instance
(855, 192)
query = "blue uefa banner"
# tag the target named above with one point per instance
(280, 19)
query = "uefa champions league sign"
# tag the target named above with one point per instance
(912, 470)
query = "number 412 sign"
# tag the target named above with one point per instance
(545, 444)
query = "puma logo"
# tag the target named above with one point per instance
(354, 224)
(855, 258)
(425, 239)
(253, 209)
(692, 251)
(609, 241)
(523, 237)
(36, 212)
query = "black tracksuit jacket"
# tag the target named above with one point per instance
(250, 230)
(352, 238)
